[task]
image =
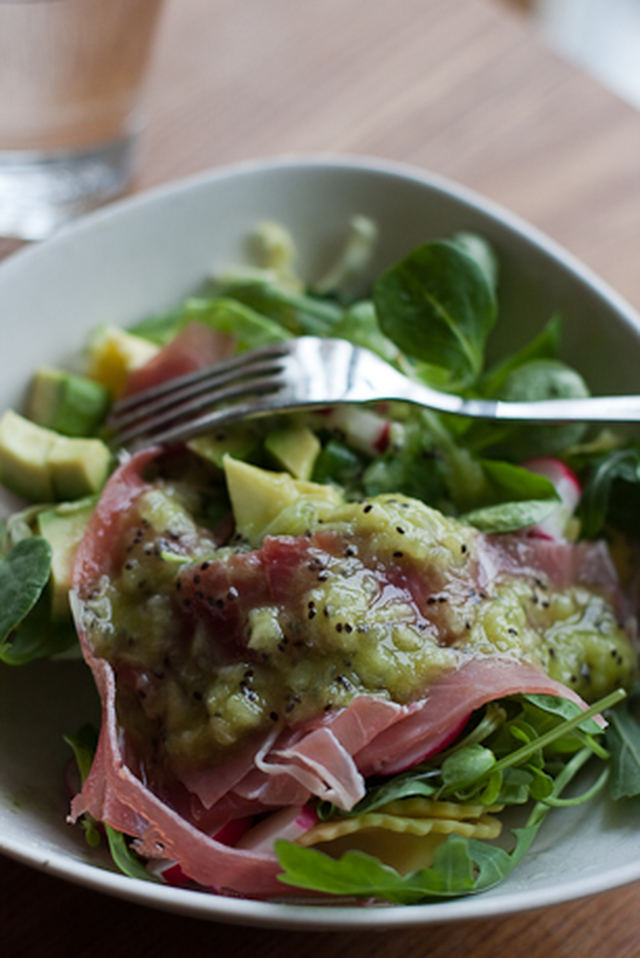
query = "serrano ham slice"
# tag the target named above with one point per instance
(328, 756)
(194, 347)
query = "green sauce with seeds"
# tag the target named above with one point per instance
(386, 603)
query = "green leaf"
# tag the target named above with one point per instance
(515, 788)
(438, 306)
(408, 785)
(541, 786)
(546, 345)
(361, 875)
(513, 498)
(466, 765)
(24, 574)
(299, 313)
(623, 742)
(126, 860)
(410, 465)
(37, 637)
(480, 251)
(510, 516)
(562, 708)
(461, 867)
(249, 328)
(535, 380)
(84, 746)
(338, 463)
(612, 494)
(360, 326)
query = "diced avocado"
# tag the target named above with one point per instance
(114, 353)
(43, 466)
(70, 404)
(295, 448)
(24, 458)
(214, 446)
(63, 529)
(259, 498)
(79, 467)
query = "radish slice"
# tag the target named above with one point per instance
(169, 872)
(288, 823)
(364, 429)
(568, 488)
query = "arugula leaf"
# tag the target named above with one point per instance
(466, 765)
(126, 860)
(461, 866)
(612, 494)
(496, 782)
(84, 746)
(362, 875)
(24, 574)
(565, 710)
(623, 742)
(438, 306)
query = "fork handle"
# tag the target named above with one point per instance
(584, 409)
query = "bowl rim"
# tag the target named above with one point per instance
(347, 162)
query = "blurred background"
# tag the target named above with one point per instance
(602, 36)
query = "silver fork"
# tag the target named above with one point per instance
(310, 372)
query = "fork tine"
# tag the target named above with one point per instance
(158, 422)
(152, 411)
(194, 393)
(190, 428)
(179, 386)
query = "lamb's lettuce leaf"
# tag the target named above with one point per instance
(546, 345)
(439, 305)
(24, 627)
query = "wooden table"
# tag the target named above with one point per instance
(465, 89)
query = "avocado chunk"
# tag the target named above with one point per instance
(79, 467)
(43, 466)
(24, 458)
(114, 353)
(294, 448)
(238, 442)
(264, 501)
(67, 403)
(63, 528)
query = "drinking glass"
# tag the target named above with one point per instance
(71, 81)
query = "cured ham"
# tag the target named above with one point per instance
(194, 347)
(328, 755)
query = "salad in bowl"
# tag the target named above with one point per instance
(354, 655)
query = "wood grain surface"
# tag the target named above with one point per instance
(462, 88)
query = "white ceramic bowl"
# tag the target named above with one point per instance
(144, 255)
